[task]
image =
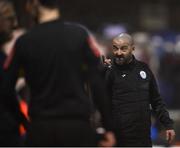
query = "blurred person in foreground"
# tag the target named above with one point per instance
(58, 58)
(10, 115)
(134, 91)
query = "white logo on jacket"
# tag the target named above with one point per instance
(123, 75)
(143, 74)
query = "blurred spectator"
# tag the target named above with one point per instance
(10, 113)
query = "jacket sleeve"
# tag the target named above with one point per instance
(97, 81)
(158, 104)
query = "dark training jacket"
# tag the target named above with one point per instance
(133, 89)
(58, 59)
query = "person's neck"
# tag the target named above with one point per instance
(47, 15)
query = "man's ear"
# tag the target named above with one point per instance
(133, 48)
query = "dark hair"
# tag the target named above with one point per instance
(50, 3)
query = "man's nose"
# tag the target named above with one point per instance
(119, 52)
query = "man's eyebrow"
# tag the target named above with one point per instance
(125, 45)
(115, 46)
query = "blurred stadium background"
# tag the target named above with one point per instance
(155, 26)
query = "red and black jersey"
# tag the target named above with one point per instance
(58, 58)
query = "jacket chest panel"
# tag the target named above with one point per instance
(131, 81)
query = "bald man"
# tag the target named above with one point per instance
(133, 89)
